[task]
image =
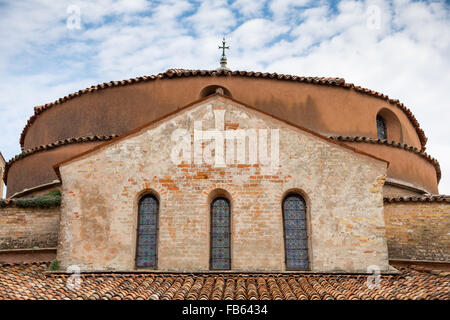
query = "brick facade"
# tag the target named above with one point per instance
(342, 189)
(22, 228)
(418, 230)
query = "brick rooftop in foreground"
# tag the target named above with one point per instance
(29, 281)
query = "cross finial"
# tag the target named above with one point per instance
(223, 47)
(223, 60)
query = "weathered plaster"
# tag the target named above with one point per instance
(343, 190)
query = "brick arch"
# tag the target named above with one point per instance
(296, 190)
(220, 189)
(294, 187)
(147, 190)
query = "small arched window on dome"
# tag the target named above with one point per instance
(147, 232)
(220, 234)
(210, 90)
(295, 233)
(381, 128)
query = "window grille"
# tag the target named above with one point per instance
(381, 128)
(147, 233)
(220, 234)
(295, 233)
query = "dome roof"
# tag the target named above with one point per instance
(328, 106)
(176, 73)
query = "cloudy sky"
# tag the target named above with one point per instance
(49, 49)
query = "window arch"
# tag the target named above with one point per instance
(147, 232)
(295, 232)
(389, 125)
(381, 128)
(210, 90)
(220, 234)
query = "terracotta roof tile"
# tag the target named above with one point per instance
(172, 73)
(53, 145)
(394, 144)
(425, 198)
(28, 281)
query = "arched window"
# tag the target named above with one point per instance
(295, 233)
(220, 234)
(209, 90)
(381, 128)
(147, 232)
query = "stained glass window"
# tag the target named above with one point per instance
(220, 234)
(381, 128)
(295, 233)
(147, 233)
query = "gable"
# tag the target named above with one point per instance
(224, 103)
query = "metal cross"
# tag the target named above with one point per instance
(223, 47)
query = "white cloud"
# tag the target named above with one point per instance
(281, 8)
(256, 33)
(249, 8)
(212, 17)
(406, 57)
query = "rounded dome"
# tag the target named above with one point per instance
(328, 106)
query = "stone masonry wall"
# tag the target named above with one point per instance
(22, 228)
(418, 230)
(101, 190)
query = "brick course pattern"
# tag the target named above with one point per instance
(342, 188)
(22, 228)
(28, 281)
(418, 230)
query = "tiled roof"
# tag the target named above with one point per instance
(27, 281)
(426, 198)
(173, 73)
(390, 143)
(53, 145)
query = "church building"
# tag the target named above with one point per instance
(226, 171)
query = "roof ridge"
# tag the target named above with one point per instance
(174, 72)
